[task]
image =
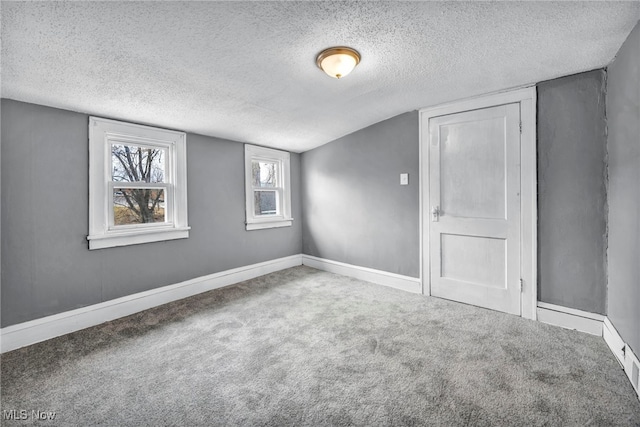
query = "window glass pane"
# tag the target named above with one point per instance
(138, 205)
(130, 163)
(264, 173)
(265, 202)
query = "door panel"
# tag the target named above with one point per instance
(473, 259)
(474, 192)
(471, 169)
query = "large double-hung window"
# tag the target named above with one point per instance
(267, 188)
(137, 184)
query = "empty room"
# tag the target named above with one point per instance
(320, 213)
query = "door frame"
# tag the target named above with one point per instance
(526, 97)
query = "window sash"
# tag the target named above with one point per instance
(279, 194)
(168, 210)
(277, 168)
(126, 170)
(132, 141)
(139, 142)
(279, 189)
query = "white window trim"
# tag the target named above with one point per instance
(101, 133)
(253, 222)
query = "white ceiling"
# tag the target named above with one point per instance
(246, 70)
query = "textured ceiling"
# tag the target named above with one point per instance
(246, 70)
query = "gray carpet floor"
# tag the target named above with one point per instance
(306, 347)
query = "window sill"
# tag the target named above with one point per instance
(269, 224)
(126, 239)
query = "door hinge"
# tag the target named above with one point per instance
(520, 284)
(520, 126)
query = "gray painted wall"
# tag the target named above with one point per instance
(572, 192)
(355, 210)
(46, 265)
(623, 114)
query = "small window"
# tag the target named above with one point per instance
(137, 184)
(267, 188)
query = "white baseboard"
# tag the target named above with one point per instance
(34, 331)
(594, 324)
(613, 340)
(623, 353)
(397, 281)
(570, 318)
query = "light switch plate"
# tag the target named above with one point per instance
(404, 179)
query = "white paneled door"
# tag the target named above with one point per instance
(474, 196)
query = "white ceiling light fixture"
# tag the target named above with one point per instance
(338, 61)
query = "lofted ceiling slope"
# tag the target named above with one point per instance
(246, 70)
